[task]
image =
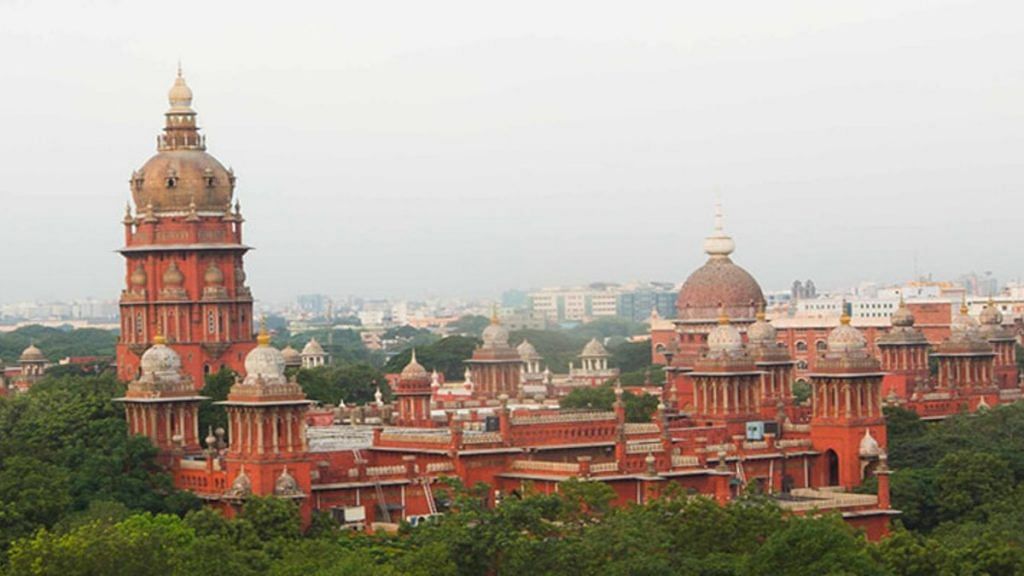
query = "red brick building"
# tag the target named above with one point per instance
(183, 250)
(727, 422)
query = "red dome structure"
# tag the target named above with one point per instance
(719, 284)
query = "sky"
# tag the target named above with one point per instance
(418, 149)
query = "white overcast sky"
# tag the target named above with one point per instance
(409, 149)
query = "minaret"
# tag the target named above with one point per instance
(162, 405)
(1004, 344)
(495, 365)
(726, 383)
(267, 428)
(847, 407)
(774, 362)
(904, 351)
(183, 253)
(967, 362)
(413, 394)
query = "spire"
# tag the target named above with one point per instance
(844, 318)
(494, 315)
(719, 244)
(760, 316)
(264, 337)
(180, 130)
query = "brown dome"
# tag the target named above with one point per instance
(173, 179)
(719, 283)
(719, 286)
(182, 172)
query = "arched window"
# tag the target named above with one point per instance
(801, 365)
(821, 345)
(801, 346)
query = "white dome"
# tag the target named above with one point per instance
(963, 326)
(846, 338)
(160, 359)
(265, 361)
(312, 348)
(868, 445)
(527, 350)
(762, 332)
(495, 336)
(594, 348)
(725, 338)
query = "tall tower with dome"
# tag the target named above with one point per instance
(183, 250)
(719, 286)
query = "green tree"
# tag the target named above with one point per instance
(216, 388)
(471, 326)
(814, 546)
(967, 480)
(447, 356)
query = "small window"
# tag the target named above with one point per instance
(801, 346)
(172, 181)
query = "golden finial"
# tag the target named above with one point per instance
(760, 312)
(264, 337)
(179, 68)
(494, 315)
(159, 340)
(963, 304)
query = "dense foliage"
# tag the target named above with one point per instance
(57, 343)
(638, 408)
(64, 449)
(448, 356)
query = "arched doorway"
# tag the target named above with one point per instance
(832, 466)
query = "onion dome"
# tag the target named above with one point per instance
(761, 332)
(31, 354)
(902, 317)
(718, 283)
(594, 349)
(264, 361)
(138, 277)
(724, 339)
(869, 447)
(180, 95)
(495, 335)
(173, 276)
(182, 172)
(213, 275)
(291, 356)
(160, 360)
(241, 487)
(527, 351)
(845, 338)
(413, 370)
(992, 328)
(313, 348)
(991, 315)
(902, 331)
(286, 486)
(964, 326)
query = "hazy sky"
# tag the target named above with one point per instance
(407, 149)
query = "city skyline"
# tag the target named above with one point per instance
(519, 154)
